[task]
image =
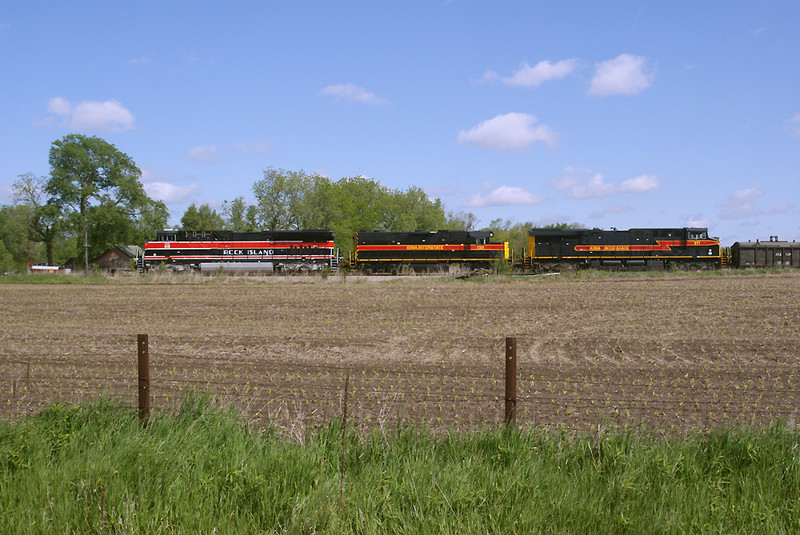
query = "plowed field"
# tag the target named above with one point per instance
(679, 353)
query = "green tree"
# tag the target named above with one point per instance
(321, 202)
(44, 219)
(237, 215)
(17, 248)
(151, 219)
(412, 210)
(563, 226)
(516, 234)
(460, 221)
(279, 197)
(201, 218)
(296, 200)
(88, 172)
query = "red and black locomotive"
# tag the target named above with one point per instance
(222, 250)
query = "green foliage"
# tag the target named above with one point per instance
(44, 216)
(296, 200)
(460, 221)
(517, 233)
(17, 248)
(96, 185)
(93, 468)
(238, 216)
(201, 218)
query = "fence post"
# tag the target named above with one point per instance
(511, 380)
(144, 378)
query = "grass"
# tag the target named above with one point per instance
(93, 468)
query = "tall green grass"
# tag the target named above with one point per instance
(94, 469)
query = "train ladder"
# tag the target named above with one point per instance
(527, 261)
(335, 262)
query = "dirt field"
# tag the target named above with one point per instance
(676, 353)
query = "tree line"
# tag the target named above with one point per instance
(94, 199)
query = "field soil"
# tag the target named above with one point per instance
(675, 353)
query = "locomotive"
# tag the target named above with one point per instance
(642, 248)
(382, 252)
(229, 251)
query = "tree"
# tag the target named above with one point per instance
(461, 221)
(16, 249)
(279, 197)
(44, 223)
(201, 218)
(239, 216)
(151, 219)
(87, 172)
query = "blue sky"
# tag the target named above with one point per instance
(610, 114)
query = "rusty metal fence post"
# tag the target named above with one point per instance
(511, 381)
(144, 378)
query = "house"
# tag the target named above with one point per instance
(120, 258)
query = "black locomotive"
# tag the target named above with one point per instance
(382, 252)
(644, 248)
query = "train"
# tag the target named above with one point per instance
(379, 252)
(636, 248)
(281, 251)
(393, 252)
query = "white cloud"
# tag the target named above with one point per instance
(793, 125)
(746, 194)
(354, 93)
(204, 154)
(782, 208)
(527, 76)
(254, 147)
(640, 184)
(623, 75)
(92, 116)
(574, 181)
(502, 196)
(594, 189)
(169, 193)
(739, 204)
(571, 177)
(509, 132)
(699, 221)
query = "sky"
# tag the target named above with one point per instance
(619, 114)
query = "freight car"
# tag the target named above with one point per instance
(760, 254)
(392, 252)
(642, 248)
(266, 251)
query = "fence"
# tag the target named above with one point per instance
(295, 393)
